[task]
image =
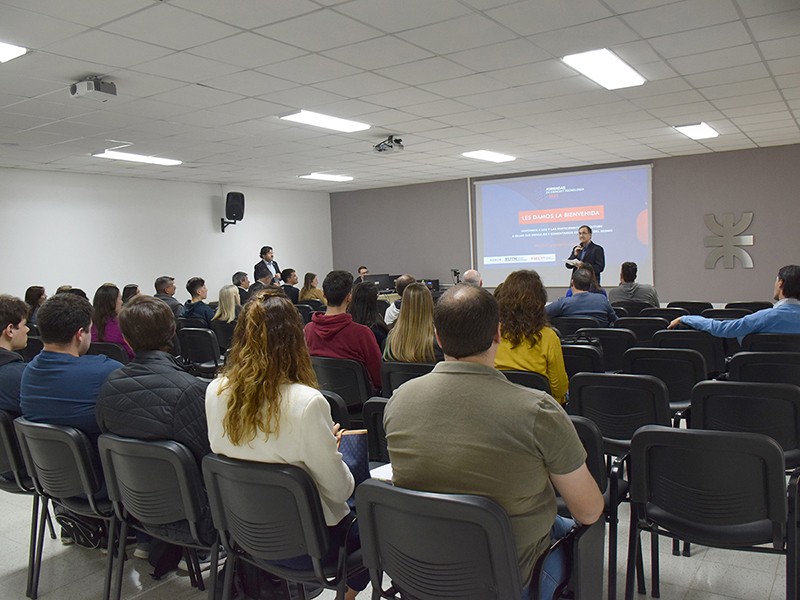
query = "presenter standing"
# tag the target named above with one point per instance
(587, 253)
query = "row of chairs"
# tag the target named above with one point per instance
(633, 308)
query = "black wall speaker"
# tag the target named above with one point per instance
(234, 206)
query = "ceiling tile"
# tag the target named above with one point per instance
(197, 96)
(425, 71)
(605, 33)
(186, 67)
(681, 16)
(33, 30)
(528, 18)
(502, 55)
(392, 16)
(377, 53)
(716, 59)
(401, 97)
(111, 49)
(782, 48)
(247, 50)
(754, 8)
(358, 85)
(249, 83)
(308, 69)
(463, 86)
(775, 26)
(248, 14)
(701, 40)
(463, 33)
(319, 31)
(84, 12)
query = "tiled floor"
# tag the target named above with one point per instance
(70, 572)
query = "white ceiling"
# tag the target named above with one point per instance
(204, 80)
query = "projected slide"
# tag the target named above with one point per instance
(532, 222)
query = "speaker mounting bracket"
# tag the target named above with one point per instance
(225, 223)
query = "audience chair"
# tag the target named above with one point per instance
(463, 543)
(16, 481)
(712, 348)
(224, 333)
(305, 311)
(529, 379)
(345, 377)
(665, 313)
(715, 488)
(725, 314)
(769, 367)
(582, 358)
(621, 311)
(33, 329)
(374, 408)
(634, 307)
(395, 374)
(316, 305)
(153, 484)
(615, 341)
(772, 409)
(62, 465)
(33, 348)
(383, 306)
(569, 325)
(200, 349)
(644, 328)
(751, 306)
(693, 307)
(111, 350)
(771, 342)
(195, 322)
(338, 408)
(679, 368)
(271, 512)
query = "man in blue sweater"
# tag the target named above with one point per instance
(784, 317)
(582, 302)
(13, 337)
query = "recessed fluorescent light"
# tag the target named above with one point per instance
(319, 120)
(490, 156)
(605, 68)
(326, 177)
(10, 52)
(698, 131)
(152, 160)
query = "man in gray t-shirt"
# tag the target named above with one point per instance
(629, 289)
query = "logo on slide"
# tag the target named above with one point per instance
(727, 240)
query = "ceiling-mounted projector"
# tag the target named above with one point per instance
(390, 144)
(94, 88)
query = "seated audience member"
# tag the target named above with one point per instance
(267, 266)
(196, 308)
(224, 321)
(165, 290)
(362, 274)
(242, 283)
(60, 385)
(335, 335)
(265, 408)
(582, 303)
(105, 326)
(152, 397)
(628, 289)
(411, 339)
(129, 291)
(364, 309)
(310, 291)
(62, 289)
(289, 278)
(77, 292)
(13, 337)
(527, 342)
(784, 317)
(393, 311)
(503, 441)
(472, 277)
(34, 298)
(594, 287)
(260, 285)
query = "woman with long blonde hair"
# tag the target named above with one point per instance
(412, 339)
(229, 304)
(265, 407)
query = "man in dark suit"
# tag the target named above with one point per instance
(587, 253)
(267, 265)
(242, 282)
(289, 277)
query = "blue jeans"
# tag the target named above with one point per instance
(554, 569)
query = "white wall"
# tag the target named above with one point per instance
(84, 230)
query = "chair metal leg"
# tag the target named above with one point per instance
(630, 571)
(32, 545)
(120, 550)
(676, 547)
(687, 549)
(113, 529)
(227, 582)
(654, 566)
(198, 573)
(640, 570)
(49, 520)
(37, 566)
(613, 521)
(213, 576)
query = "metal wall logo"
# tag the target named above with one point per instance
(727, 240)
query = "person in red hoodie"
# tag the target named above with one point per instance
(335, 335)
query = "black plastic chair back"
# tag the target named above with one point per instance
(195, 322)
(316, 305)
(619, 404)
(771, 342)
(29, 352)
(224, 332)
(111, 350)
(535, 381)
(772, 409)
(395, 374)
(693, 307)
(11, 460)
(644, 328)
(775, 367)
(633, 307)
(344, 376)
(338, 408)
(621, 311)
(383, 306)
(464, 543)
(615, 341)
(200, 348)
(665, 313)
(751, 306)
(569, 325)
(374, 408)
(305, 311)
(680, 369)
(33, 329)
(580, 358)
(725, 314)
(712, 348)
(592, 441)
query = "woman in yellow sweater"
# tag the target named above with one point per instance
(527, 343)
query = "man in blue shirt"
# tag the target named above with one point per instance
(13, 337)
(583, 303)
(784, 317)
(60, 386)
